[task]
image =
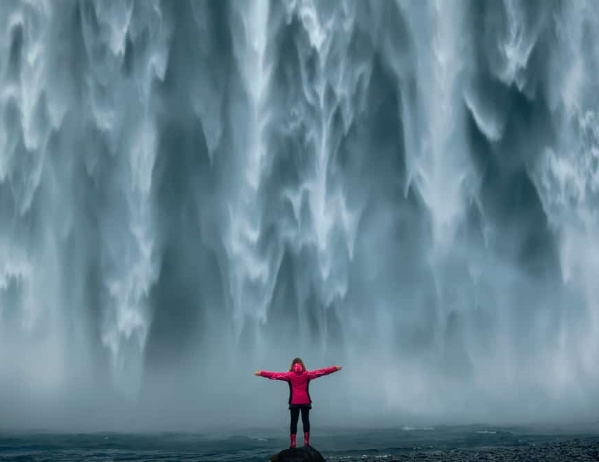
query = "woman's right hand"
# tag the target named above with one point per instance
(257, 373)
(338, 368)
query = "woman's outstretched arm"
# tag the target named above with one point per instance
(320, 372)
(272, 375)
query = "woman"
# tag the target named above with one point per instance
(299, 395)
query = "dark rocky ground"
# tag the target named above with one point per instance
(562, 451)
(445, 443)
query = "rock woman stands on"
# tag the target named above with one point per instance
(298, 379)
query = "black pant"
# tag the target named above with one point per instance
(295, 412)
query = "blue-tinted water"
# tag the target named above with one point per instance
(259, 446)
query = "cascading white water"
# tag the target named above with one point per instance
(252, 278)
(193, 190)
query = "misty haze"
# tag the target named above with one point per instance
(191, 191)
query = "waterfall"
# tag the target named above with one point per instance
(193, 190)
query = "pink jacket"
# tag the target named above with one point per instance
(299, 393)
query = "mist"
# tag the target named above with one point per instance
(191, 191)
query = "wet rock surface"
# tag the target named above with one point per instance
(301, 454)
(570, 450)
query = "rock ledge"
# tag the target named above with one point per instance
(302, 454)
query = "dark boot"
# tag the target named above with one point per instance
(292, 438)
(306, 438)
